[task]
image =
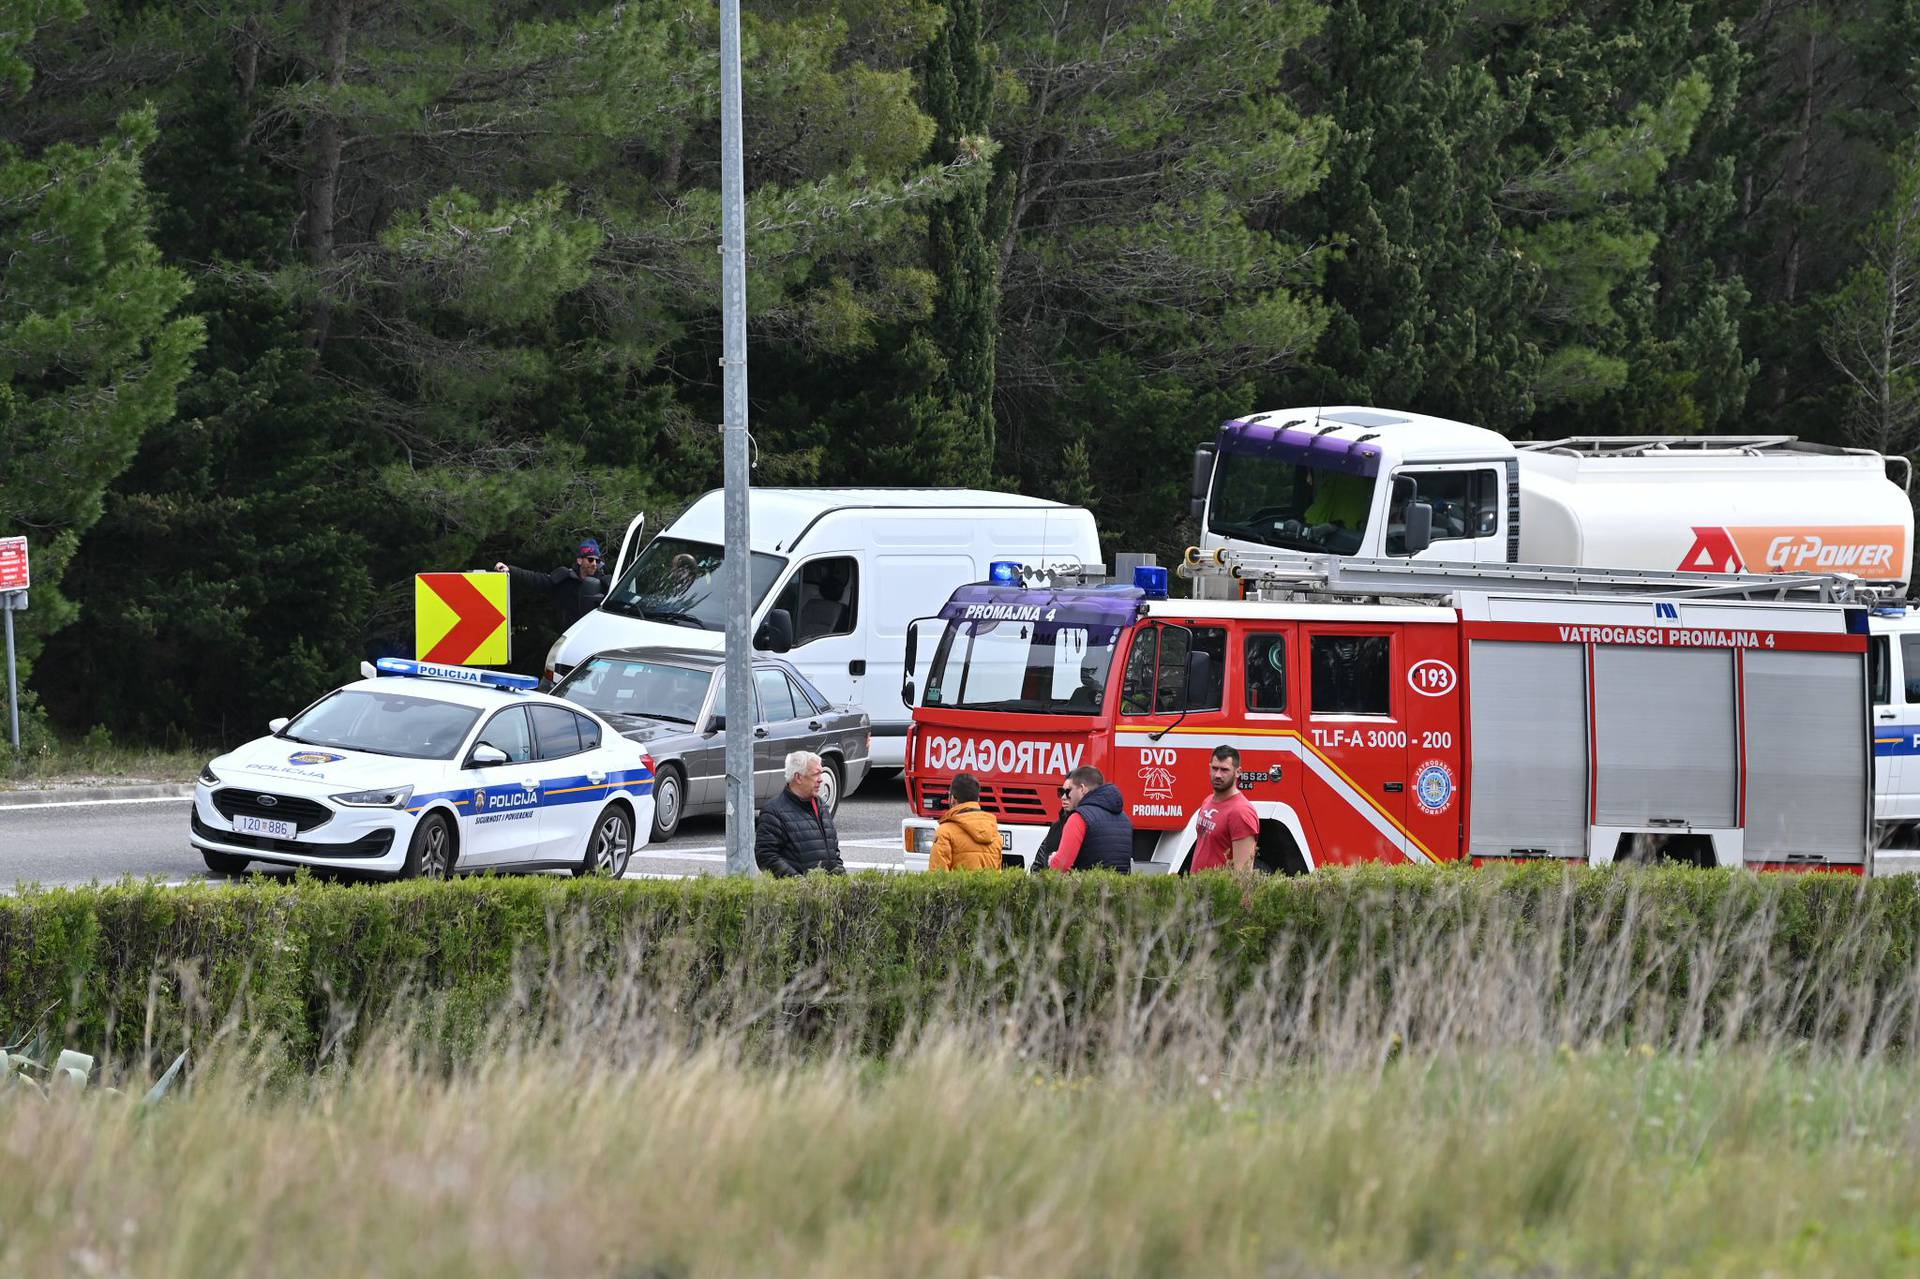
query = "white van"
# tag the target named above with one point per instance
(848, 568)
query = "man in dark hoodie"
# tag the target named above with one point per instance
(1097, 834)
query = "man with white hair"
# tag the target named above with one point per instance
(795, 834)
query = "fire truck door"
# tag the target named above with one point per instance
(1357, 739)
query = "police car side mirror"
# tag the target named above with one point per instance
(275, 725)
(485, 756)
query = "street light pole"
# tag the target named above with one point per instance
(733, 434)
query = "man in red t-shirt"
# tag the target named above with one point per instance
(1228, 826)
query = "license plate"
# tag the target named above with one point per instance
(1006, 841)
(265, 826)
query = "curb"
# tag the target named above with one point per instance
(92, 794)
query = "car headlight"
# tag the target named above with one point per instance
(207, 774)
(387, 797)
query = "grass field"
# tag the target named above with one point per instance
(1422, 1096)
(951, 1160)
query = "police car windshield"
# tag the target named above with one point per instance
(678, 581)
(1288, 504)
(621, 686)
(383, 723)
(1040, 660)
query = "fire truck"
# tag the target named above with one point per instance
(1402, 711)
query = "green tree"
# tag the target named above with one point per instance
(1872, 331)
(91, 352)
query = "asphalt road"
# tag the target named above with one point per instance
(80, 842)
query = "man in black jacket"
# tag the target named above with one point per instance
(575, 591)
(1096, 835)
(795, 834)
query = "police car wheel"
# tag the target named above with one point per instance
(610, 846)
(669, 800)
(225, 863)
(430, 854)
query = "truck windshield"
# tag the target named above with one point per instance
(678, 581)
(1288, 503)
(1041, 658)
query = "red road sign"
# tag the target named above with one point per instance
(13, 564)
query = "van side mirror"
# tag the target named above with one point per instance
(485, 756)
(1202, 480)
(908, 661)
(776, 632)
(275, 725)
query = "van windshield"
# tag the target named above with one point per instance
(678, 581)
(1026, 651)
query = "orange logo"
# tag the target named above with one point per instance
(1871, 550)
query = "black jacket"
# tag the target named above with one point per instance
(572, 595)
(1108, 843)
(789, 839)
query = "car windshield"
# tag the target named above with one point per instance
(383, 724)
(1052, 662)
(1289, 504)
(625, 686)
(678, 581)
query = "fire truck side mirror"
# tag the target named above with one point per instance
(1419, 527)
(1202, 480)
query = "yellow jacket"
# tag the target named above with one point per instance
(967, 839)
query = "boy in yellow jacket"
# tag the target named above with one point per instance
(968, 837)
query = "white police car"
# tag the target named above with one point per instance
(424, 770)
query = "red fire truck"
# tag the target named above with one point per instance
(1392, 711)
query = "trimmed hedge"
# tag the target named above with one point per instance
(139, 970)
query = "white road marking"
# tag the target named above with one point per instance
(92, 803)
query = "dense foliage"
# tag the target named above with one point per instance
(1349, 958)
(300, 297)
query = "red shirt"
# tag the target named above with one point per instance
(1220, 823)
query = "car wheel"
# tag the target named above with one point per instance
(225, 863)
(430, 854)
(669, 801)
(610, 845)
(829, 793)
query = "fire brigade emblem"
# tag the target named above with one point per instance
(1433, 788)
(1156, 782)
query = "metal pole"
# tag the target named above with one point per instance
(13, 689)
(733, 434)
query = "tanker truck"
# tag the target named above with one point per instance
(1382, 483)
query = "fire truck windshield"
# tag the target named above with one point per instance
(1037, 652)
(1285, 502)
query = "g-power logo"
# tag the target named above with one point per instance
(1872, 550)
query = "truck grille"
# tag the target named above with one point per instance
(1025, 803)
(305, 814)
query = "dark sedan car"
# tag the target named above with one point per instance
(674, 702)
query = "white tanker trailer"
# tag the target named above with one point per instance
(1381, 483)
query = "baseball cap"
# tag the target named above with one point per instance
(591, 546)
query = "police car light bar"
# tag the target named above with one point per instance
(455, 674)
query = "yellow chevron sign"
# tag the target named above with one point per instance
(460, 618)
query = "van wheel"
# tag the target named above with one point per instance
(829, 792)
(610, 846)
(669, 801)
(430, 853)
(225, 863)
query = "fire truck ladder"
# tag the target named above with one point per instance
(1292, 575)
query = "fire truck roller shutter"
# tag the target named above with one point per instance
(1529, 749)
(1806, 761)
(1666, 737)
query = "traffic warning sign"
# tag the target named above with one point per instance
(460, 618)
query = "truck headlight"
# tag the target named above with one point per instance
(918, 841)
(388, 797)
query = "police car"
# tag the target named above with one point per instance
(424, 770)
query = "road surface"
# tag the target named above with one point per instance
(79, 842)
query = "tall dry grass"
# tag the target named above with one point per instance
(1453, 1084)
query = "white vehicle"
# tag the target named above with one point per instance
(1379, 483)
(425, 770)
(1893, 681)
(837, 576)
